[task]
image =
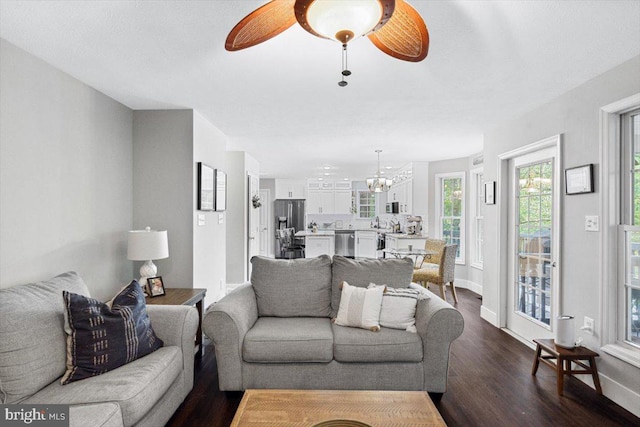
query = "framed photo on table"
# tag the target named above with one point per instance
(579, 180)
(156, 286)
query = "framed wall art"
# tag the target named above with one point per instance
(579, 180)
(221, 191)
(206, 187)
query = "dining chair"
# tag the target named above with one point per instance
(440, 274)
(288, 246)
(432, 245)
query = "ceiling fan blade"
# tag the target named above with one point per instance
(262, 24)
(404, 36)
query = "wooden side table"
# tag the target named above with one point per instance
(184, 296)
(564, 357)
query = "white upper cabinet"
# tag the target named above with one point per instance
(326, 197)
(409, 189)
(291, 189)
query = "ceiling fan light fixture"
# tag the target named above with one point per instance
(343, 20)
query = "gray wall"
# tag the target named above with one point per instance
(65, 177)
(575, 115)
(163, 196)
(167, 146)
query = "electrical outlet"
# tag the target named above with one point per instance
(591, 223)
(589, 325)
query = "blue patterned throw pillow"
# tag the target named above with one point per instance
(104, 336)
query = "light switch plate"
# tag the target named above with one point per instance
(201, 220)
(220, 218)
(591, 223)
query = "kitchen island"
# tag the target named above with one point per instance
(321, 242)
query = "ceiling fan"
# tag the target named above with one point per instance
(393, 26)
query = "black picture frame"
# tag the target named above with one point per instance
(221, 191)
(155, 286)
(579, 179)
(490, 193)
(206, 187)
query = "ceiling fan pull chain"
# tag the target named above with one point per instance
(345, 71)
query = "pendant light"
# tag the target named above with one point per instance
(378, 184)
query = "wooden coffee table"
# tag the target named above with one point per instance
(310, 407)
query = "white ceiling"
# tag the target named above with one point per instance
(488, 61)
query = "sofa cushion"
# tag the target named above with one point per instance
(387, 345)
(32, 338)
(284, 340)
(292, 288)
(102, 337)
(136, 386)
(106, 414)
(396, 273)
(360, 307)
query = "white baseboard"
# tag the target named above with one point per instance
(489, 316)
(615, 391)
(468, 284)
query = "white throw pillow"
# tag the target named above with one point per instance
(360, 307)
(398, 307)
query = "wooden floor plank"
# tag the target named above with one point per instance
(490, 384)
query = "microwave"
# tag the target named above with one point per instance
(393, 207)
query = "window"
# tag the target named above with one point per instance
(450, 210)
(477, 207)
(629, 286)
(366, 204)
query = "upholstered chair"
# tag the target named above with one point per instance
(439, 274)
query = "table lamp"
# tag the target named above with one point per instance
(147, 245)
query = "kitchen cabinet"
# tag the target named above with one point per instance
(326, 197)
(366, 244)
(320, 201)
(290, 189)
(319, 245)
(409, 189)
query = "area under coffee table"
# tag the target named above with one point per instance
(310, 407)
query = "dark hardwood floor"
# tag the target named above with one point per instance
(490, 384)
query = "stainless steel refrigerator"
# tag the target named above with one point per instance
(289, 213)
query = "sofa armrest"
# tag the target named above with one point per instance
(177, 325)
(226, 322)
(438, 324)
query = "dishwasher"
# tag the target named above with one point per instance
(345, 243)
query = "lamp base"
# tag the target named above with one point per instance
(147, 270)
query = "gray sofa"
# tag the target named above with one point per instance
(145, 392)
(276, 332)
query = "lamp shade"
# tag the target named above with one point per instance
(144, 245)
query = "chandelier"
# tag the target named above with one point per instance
(378, 184)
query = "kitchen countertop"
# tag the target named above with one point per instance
(309, 233)
(407, 236)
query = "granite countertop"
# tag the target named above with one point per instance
(310, 233)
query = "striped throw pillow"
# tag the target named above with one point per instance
(360, 307)
(398, 307)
